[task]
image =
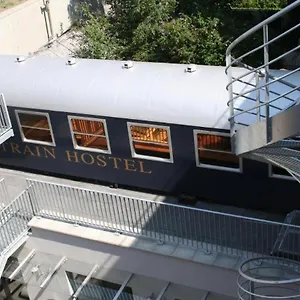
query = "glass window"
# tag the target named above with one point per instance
(89, 134)
(150, 142)
(214, 149)
(96, 288)
(35, 127)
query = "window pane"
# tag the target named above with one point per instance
(214, 142)
(221, 159)
(149, 149)
(33, 120)
(280, 171)
(43, 135)
(88, 141)
(95, 288)
(87, 126)
(149, 134)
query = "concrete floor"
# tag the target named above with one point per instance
(64, 46)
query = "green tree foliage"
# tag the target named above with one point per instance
(97, 40)
(175, 31)
(259, 4)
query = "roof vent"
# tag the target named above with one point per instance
(127, 64)
(190, 68)
(20, 58)
(71, 61)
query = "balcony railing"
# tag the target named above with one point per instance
(208, 230)
(5, 124)
(213, 232)
(3, 194)
(13, 221)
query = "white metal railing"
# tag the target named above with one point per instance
(269, 278)
(5, 123)
(13, 221)
(258, 92)
(198, 228)
(3, 193)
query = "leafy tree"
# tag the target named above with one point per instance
(96, 40)
(127, 15)
(259, 4)
(180, 40)
(175, 31)
(151, 30)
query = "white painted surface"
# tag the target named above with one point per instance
(23, 27)
(86, 247)
(157, 92)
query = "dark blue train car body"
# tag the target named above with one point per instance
(251, 186)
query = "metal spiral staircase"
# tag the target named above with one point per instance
(264, 93)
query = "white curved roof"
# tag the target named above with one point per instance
(155, 92)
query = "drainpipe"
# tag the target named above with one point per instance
(47, 10)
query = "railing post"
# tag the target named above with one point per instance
(231, 104)
(267, 91)
(252, 297)
(257, 96)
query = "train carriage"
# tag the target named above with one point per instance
(157, 127)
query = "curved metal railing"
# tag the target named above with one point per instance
(257, 93)
(269, 278)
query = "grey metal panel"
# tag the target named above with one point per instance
(148, 91)
(284, 125)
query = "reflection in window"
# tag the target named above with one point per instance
(35, 127)
(90, 134)
(151, 141)
(95, 288)
(215, 150)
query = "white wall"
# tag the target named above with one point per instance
(23, 28)
(82, 254)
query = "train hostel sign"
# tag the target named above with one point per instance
(77, 157)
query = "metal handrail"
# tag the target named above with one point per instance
(14, 219)
(258, 275)
(272, 92)
(32, 183)
(269, 79)
(5, 122)
(208, 230)
(251, 71)
(262, 104)
(260, 26)
(267, 84)
(3, 192)
(211, 231)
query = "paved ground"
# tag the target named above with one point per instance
(64, 46)
(6, 4)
